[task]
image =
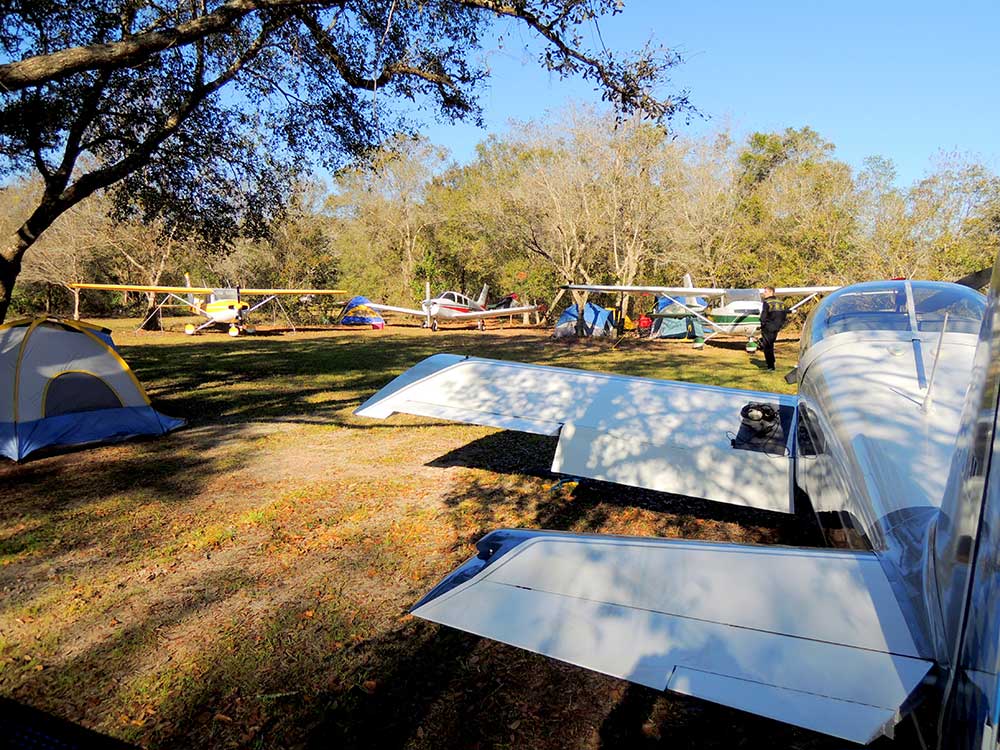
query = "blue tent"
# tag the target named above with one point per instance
(358, 313)
(61, 383)
(679, 324)
(597, 321)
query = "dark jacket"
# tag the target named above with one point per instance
(773, 313)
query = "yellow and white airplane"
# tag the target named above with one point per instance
(222, 306)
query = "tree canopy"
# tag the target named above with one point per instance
(580, 197)
(203, 113)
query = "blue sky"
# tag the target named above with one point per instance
(899, 79)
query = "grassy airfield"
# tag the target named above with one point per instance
(245, 581)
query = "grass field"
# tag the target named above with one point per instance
(244, 582)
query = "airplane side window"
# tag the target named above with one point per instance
(810, 436)
(964, 309)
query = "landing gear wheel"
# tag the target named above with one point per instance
(480, 326)
(751, 346)
(434, 325)
(189, 330)
(234, 331)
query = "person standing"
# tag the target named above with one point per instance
(773, 313)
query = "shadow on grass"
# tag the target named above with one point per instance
(585, 506)
(407, 670)
(433, 687)
(282, 377)
(647, 719)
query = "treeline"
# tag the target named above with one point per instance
(578, 198)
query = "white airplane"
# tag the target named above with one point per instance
(737, 312)
(454, 306)
(891, 435)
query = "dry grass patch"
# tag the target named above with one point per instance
(245, 582)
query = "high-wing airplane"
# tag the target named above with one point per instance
(454, 306)
(737, 311)
(892, 435)
(223, 306)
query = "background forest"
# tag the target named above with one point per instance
(576, 198)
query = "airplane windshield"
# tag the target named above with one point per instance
(742, 295)
(883, 306)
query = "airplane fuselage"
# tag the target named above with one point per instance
(882, 393)
(223, 311)
(737, 318)
(445, 309)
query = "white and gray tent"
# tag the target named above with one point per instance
(62, 383)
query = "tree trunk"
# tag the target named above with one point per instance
(9, 269)
(76, 304)
(47, 211)
(580, 298)
(549, 311)
(151, 321)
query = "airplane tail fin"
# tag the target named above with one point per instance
(482, 296)
(963, 569)
(687, 283)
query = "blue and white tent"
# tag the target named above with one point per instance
(676, 322)
(62, 383)
(358, 313)
(597, 321)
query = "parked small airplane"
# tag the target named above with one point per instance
(737, 312)
(454, 306)
(224, 306)
(892, 436)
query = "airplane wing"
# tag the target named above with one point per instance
(803, 291)
(145, 288)
(682, 291)
(201, 289)
(500, 312)
(810, 637)
(279, 292)
(684, 438)
(400, 310)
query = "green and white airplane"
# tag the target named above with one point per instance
(736, 312)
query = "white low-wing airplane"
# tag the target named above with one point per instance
(737, 311)
(454, 306)
(892, 434)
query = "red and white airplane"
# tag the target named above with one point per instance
(454, 306)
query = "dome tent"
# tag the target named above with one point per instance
(61, 383)
(358, 313)
(672, 320)
(597, 321)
